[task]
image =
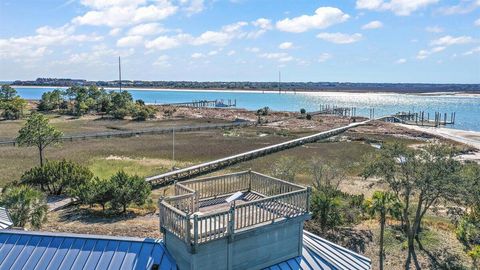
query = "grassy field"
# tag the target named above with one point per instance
(90, 124)
(152, 154)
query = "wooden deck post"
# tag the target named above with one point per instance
(231, 222)
(195, 233)
(188, 236)
(250, 180)
(309, 190)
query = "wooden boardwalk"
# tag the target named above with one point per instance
(208, 167)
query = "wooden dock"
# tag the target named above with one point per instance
(208, 167)
(423, 119)
(205, 103)
(335, 110)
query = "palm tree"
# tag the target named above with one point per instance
(26, 205)
(383, 204)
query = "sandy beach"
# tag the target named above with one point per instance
(471, 138)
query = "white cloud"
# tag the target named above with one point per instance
(323, 18)
(164, 42)
(472, 51)
(285, 45)
(197, 55)
(114, 31)
(280, 57)
(262, 25)
(146, 29)
(122, 13)
(373, 25)
(422, 54)
(449, 40)
(222, 37)
(324, 57)
(368, 4)
(97, 55)
(162, 61)
(477, 22)
(38, 45)
(401, 61)
(399, 7)
(212, 53)
(130, 41)
(104, 4)
(193, 6)
(463, 7)
(231, 52)
(252, 49)
(340, 38)
(273, 55)
(434, 29)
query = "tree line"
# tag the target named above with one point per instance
(79, 101)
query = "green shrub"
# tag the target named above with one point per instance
(57, 177)
(25, 205)
(142, 112)
(120, 113)
(468, 230)
(128, 189)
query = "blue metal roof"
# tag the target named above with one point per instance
(319, 253)
(42, 250)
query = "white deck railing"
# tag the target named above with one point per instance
(278, 200)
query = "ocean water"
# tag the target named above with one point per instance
(466, 107)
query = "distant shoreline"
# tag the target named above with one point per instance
(352, 91)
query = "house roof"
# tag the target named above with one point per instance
(5, 220)
(319, 253)
(42, 250)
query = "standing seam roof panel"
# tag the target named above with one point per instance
(95, 254)
(42, 250)
(37, 253)
(26, 252)
(320, 254)
(83, 254)
(49, 253)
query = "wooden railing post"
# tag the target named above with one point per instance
(309, 192)
(250, 180)
(188, 236)
(231, 222)
(195, 232)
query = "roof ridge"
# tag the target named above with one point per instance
(85, 236)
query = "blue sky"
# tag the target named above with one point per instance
(242, 40)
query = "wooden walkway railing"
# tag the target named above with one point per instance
(204, 168)
(130, 133)
(180, 214)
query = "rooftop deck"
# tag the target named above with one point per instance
(199, 212)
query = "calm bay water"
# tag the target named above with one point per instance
(467, 108)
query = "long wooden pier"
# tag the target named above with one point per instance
(208, 167)
(204, 103)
